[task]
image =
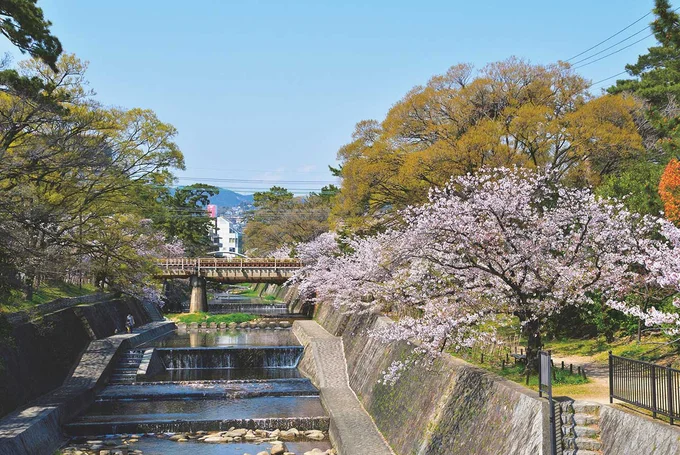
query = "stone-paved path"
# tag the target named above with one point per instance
(355, 432)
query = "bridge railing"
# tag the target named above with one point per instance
(196, 264)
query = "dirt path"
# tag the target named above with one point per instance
(597, 372)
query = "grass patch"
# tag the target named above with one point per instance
(248, 293)
(562, 379)
(651, 348)
(188, 318)
(45, 293)
(269, 298)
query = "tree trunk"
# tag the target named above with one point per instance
(533, 334)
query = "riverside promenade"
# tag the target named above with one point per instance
(352, 430)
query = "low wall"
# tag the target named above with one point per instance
(39, 354)
(449, 408)
(625, 433)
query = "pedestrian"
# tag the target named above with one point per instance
(129, 323)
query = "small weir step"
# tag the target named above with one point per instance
(126, 368)
(209, 390)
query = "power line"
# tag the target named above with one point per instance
(267, 181)
(615, 52)
(614, 35)
(607, 78)
(610, 47)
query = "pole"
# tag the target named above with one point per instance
(611, 378)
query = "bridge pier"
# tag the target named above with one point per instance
(199, 296)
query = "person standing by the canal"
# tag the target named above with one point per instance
(129, 323)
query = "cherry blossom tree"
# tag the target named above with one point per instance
(500, 242)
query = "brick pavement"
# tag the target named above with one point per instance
(353, 432)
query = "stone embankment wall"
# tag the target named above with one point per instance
(38, 354)
(288, 294)
(449, 407)
(625, 433)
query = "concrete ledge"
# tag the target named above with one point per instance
(36, 428)
(352, 431)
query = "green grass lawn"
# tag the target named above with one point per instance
(45, 293)
(188, 318)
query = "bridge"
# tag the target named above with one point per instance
(232, 271)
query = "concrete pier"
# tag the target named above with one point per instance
(199, 296)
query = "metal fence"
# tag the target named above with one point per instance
(644, 384)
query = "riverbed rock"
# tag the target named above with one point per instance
(214, 440)
(315, 452)
(237, 432)
(315, 435)
(277, 449)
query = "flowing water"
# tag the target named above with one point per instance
(210, 380)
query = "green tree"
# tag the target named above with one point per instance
(69, 167)
(510, 113)
(637, 186)
(281, 219)
(183, 215)
(23, 23)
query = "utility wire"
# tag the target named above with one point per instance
(615, 52)
(614, 35)
(607, 78)
(610, 47)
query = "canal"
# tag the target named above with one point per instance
(230, 391)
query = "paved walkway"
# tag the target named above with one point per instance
(352, 429)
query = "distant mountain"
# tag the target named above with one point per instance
(228, 198)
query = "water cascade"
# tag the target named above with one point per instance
(210, 380)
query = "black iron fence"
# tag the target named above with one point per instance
(644, 384)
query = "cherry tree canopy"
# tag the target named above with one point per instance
(502, 241)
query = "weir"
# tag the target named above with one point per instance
(210, 381)
(230, 358)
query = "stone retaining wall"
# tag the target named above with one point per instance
(39, 354)
(624, 433)
(449, 408)
(55, 305)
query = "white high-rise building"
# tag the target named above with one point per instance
(228, 240)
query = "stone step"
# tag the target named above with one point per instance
(580, 452)
(583, 444)
(581, 432)
(586, 407)
(585, 419)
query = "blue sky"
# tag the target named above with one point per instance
(269, 90)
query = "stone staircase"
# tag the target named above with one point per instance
(580, 428)
(126, 369)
